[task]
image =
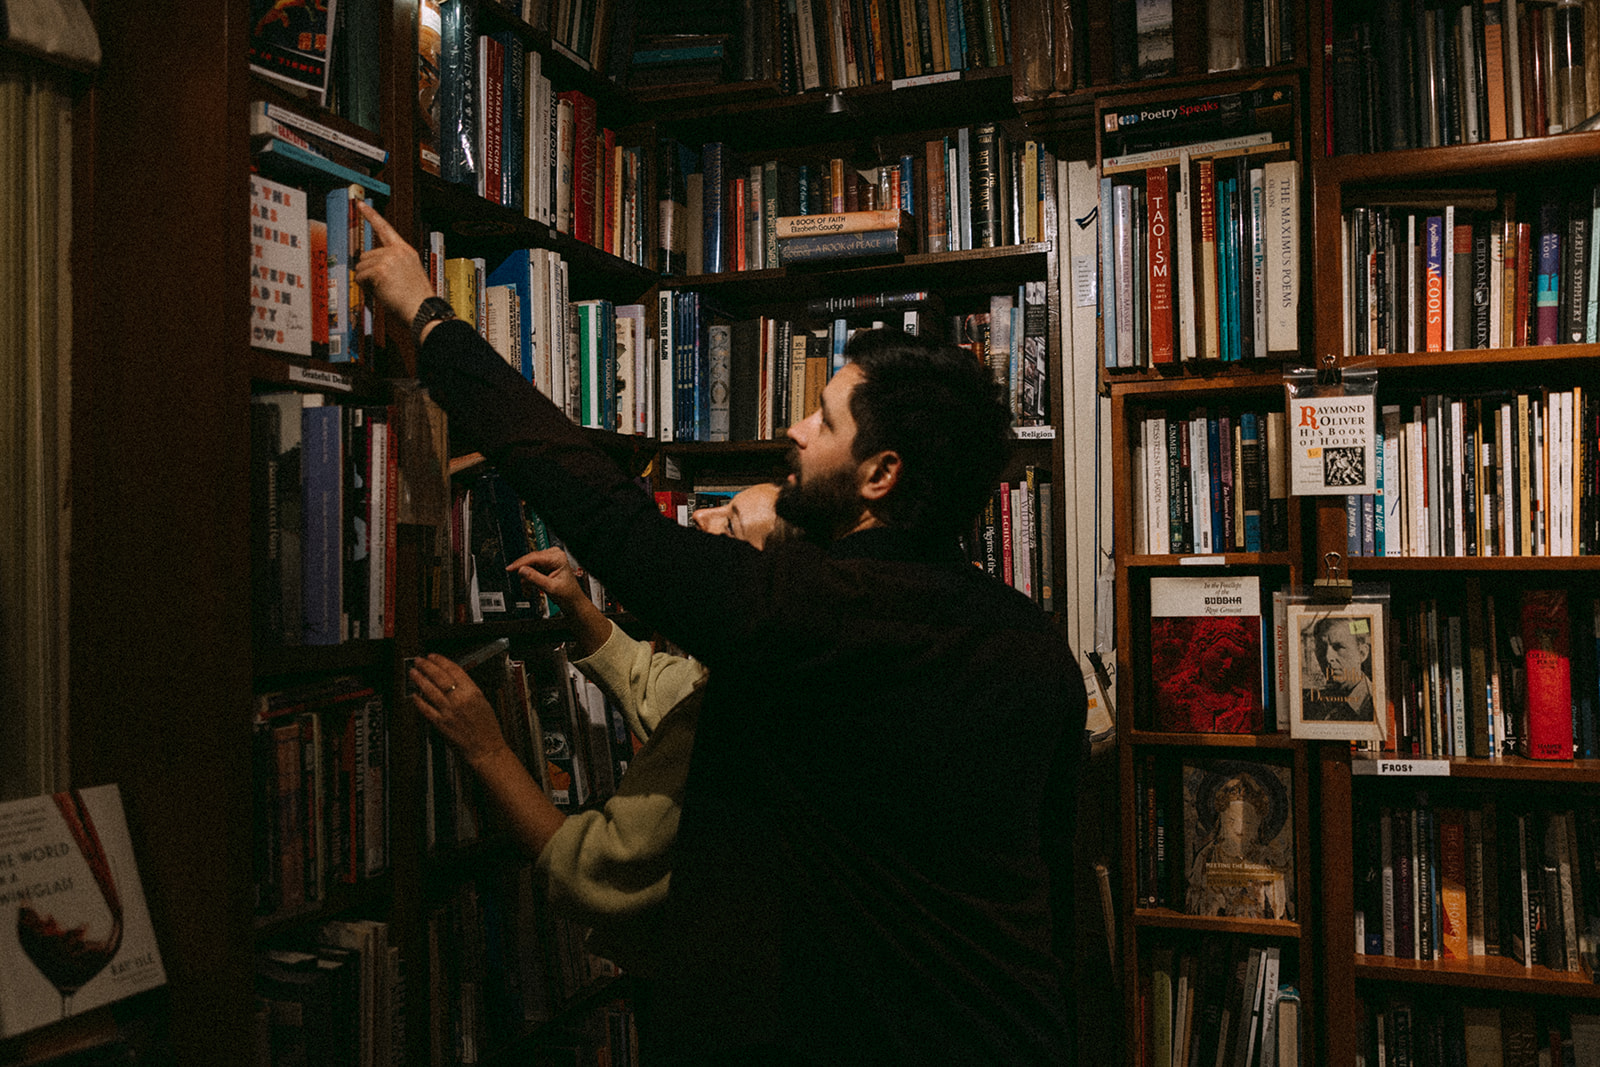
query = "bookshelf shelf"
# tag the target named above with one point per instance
(1167, 919)
(1278, 742)
(1461, 161)
(1485, 359)
(1479, 972)
(278, 663)
(341, 899)
(1516, 768)
(1198, 564)
(1193, 381)
(1490, 564)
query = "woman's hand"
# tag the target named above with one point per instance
(448, 697)
(549, 570)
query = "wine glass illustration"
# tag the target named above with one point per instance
(72, 936)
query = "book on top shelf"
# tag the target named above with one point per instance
(1206, 654)
(292, 43)
(1238, 838)
(83, 936)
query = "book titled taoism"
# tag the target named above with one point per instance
(74, 930)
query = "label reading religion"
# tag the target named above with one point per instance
(74, 929)
(1332, 451)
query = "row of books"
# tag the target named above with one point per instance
(842, 44)
(303, 250)
(496, 123)
(324, 52)
(325, 500)
(1200, 260)
(1410, 1032)
(1420, 76)
(1213, 482)
(337, 996)
(1467, 270)
(1011, 338)
(1226, 1001)
(320, 770)
(973, 188)
(1015, 536)
(1499, 474)
(1146, 39)
(1215, 837)
(1482, 674)
(1449, 881)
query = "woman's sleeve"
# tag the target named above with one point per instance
(645, 684)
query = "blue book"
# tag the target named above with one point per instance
(713, 205)
(516, 270)
(838, 337)
(1249, 465)
(513, 121)
(1219, 542)
(700, 340)
(322, 517)
(1548, 296)
(458, 93)
(956, 33)
(337, 205)
(306, 159)
(682, 368)
(1235, 336)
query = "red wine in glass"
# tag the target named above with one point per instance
(66, 955)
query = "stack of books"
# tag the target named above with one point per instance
(808, 238)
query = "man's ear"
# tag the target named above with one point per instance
(879, 475)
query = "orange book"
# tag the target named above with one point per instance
(1453, 882)
(1211, 336)
(1494, 68)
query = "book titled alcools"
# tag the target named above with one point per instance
(74, 929)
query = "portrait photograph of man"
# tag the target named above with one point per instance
(1336, 676)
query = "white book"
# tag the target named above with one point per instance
(1416, 488)
(1022, 539)
(1143, 498)
(1160, 508)
(1458, 459)
(1269, 1007)
(1508, 516)
(1183, 293)
(1281, 184)
(1108, 272)
(1497, 270)
(280, 268)
(1467, 51)
(533, 135)
(1165, 157)
(1513, 69)
(1123, 287)
(1200, 485)
(498, 302)
(1393, 483)
(1258, 258)
(566, 137)
(963, 175)
(1413, 323)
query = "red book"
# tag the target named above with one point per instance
(492, 59)
(1547, 664)
(1005, 532)
(937, 210)
(318, 239)
(1206, 264)
(1453, 882)
(1524, 286)
(1158, 227)
(737, 205)
(674, 504)
(609, 183)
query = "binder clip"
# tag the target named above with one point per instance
(1328, 373)
(1332, 589)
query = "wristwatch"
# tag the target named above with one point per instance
(433, 309)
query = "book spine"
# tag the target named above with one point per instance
(837, 246)
(1159, 260)
(713, 160)
(1547, 301)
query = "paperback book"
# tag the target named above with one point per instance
(1206, 654)
(1238, 838)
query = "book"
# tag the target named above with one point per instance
(1206, 654)
(1238, 839)
(846, 222)
(1546, 647)
(280, 268)
(83, 936)
(292, 44)
(823, 247)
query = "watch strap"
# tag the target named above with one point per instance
(432, 309)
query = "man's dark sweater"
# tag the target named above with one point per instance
(888, 738)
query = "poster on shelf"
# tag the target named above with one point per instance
(1332, 445)
(1337, 686)
(74, 930)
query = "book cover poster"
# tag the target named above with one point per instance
(290, 42)
(74, 929)
(280, 268)
(1238, 834)
(1206, 659)
(1332, 445)
(1337, 687)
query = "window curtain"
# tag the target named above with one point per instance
(35, 384)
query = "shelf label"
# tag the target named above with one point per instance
(1203, 561)
(1085, 282)
(1397, 768)
(326, 379)
(1033, 433)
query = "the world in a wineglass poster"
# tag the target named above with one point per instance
(74, 929)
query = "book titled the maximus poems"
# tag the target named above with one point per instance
(74, 929)
(1206, 654)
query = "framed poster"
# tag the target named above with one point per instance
(1337, 688)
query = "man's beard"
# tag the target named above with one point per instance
(824, 505)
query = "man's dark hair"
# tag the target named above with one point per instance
(940, 409)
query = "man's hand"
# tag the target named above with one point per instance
(392, 269)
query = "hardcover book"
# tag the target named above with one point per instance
(83, 936)
(293, 44)
(280, 268)
(1238, 836)
(1207, 665)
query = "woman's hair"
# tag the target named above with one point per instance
(940, 409)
